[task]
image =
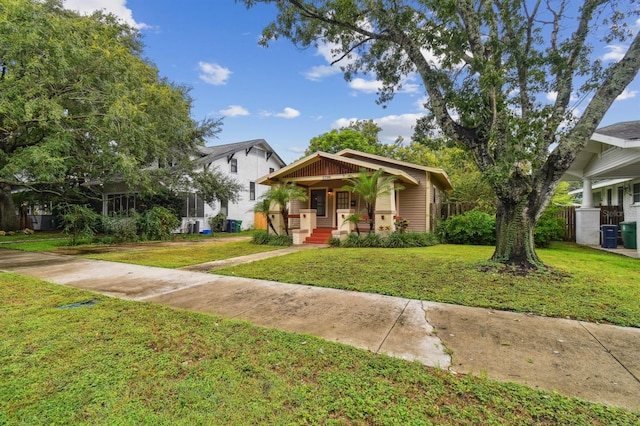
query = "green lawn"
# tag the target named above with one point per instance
(587, 284)
(122, 362)
(184, 255)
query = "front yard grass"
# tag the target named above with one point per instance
(183, 255)
(122, 362)
(178, 254)
(587, 284)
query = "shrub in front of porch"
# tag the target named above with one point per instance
(265, 238)
(393, 240)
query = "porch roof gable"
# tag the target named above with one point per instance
(439, 174)
(324, 166)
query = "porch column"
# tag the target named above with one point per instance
(276, 220)
(587, 193)
(342, 214)
(587, 218)
(307, 225)
(385, 211)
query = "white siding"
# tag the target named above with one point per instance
(251, 166)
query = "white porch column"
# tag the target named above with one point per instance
(587, 193)
(587, 218)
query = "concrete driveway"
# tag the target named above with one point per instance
(600, 363)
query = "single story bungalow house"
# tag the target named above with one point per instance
(323, 176)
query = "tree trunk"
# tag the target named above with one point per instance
(515, 223)
(270, 222)
(8, 218)
(285, 218)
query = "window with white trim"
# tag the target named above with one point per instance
(252, 191)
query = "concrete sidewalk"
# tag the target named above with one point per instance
(600, 363)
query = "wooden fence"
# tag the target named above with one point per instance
(569, 215)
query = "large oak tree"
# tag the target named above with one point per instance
(487, 67)
(78, 103)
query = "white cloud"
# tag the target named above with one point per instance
(627, 94)
(366, 86)
(393, 126)
(287, 113)
(615, 53)
(213, 73)
(234, 111)
(552, 96)
(319, 72)
(116, 7)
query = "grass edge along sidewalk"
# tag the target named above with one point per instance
(586, 285)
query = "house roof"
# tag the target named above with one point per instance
(613, 152)
(212, 153)
(626, 131)
(324, 166)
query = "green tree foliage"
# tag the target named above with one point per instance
(359, 135)
(469, 185)
(157, 223)
(369, 186)
(79, 104)
(79, 222)
(213, 185)
(487, 68)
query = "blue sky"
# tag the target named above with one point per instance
(281, 94)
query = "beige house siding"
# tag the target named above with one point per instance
(413, 202)
(412, 205)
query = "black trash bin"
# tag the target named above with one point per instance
(609, 236)
(231, 224)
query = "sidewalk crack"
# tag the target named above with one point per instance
(607, 350)
(393, 326)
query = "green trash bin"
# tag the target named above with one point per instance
(237, 226)
(629, 235)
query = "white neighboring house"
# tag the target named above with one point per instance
(244, 161)
(609, 168)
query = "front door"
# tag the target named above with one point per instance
(319, 201)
